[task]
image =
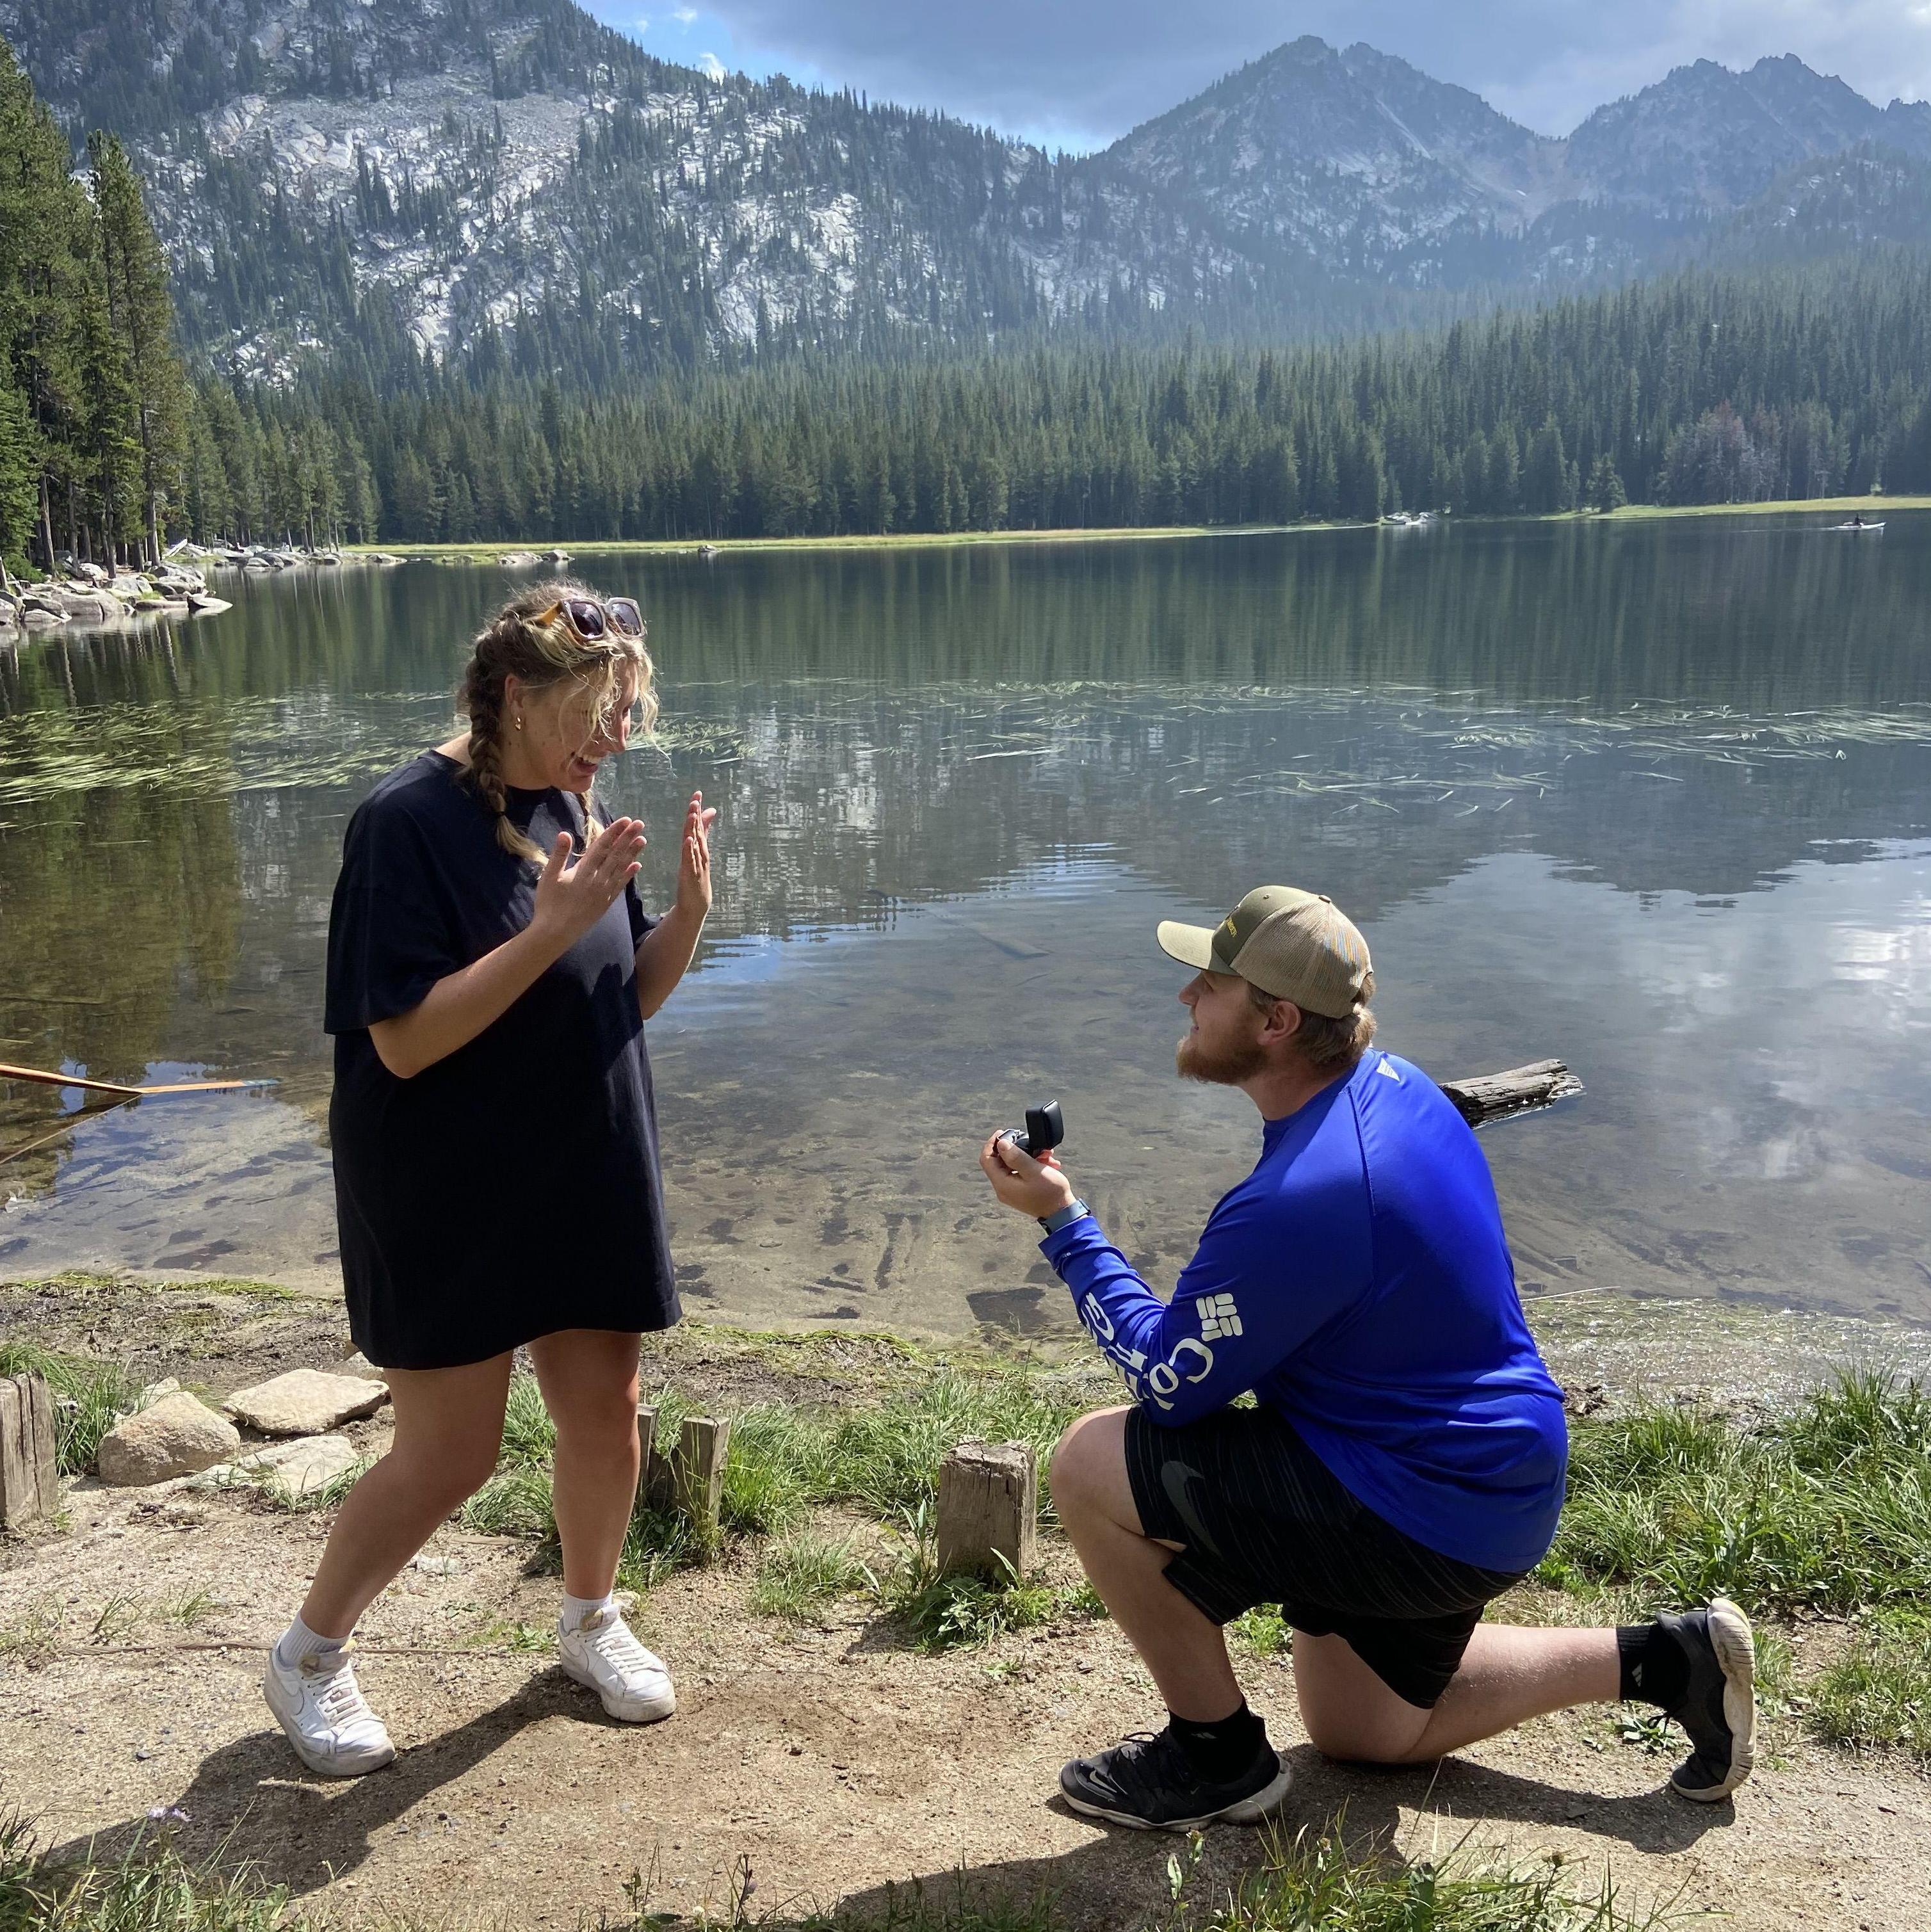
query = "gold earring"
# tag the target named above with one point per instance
(519, 724)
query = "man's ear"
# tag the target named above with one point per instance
(1282, 1023)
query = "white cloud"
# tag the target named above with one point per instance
(709, 63)
(684, 16)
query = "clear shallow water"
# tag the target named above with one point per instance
(1656, 798)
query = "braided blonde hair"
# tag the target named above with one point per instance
(515, 644)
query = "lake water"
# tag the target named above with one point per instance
(1653, 797)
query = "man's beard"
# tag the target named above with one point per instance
(1193, 1060)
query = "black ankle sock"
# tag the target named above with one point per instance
(1219, 1752)
(1654, 1669)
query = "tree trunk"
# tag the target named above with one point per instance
(46, 521)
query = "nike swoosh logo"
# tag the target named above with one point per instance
(1178, 1479)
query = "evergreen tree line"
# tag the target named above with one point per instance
(1701, 389)
(95, 406)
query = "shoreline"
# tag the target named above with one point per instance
(1874, 508)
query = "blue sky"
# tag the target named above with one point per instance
(1079, 72)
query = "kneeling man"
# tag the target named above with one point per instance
(1405, 1462)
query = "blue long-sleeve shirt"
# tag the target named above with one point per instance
(1359, 1282)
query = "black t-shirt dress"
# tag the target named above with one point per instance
(512, 1189)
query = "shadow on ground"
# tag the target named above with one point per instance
(245, 1810)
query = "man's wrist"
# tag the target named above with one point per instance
(1074, 1209)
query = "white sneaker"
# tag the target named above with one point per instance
(604, 1653)
(320, 1705)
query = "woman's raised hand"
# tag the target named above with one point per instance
(694, 865)
(570, 899)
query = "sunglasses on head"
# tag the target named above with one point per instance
(593, 619)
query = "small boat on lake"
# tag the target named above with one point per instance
(1857, 526)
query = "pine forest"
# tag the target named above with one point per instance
(1790, 382)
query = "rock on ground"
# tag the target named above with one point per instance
(306, 1402)
(176, 1436)
(300, 1467)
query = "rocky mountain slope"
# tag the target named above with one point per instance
(507, 181)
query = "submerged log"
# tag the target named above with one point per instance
(1482, 1098)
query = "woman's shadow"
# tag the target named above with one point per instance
(252, 1805)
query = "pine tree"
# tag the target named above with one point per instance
(141, 316)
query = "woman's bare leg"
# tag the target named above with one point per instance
(448, 1429)
(589, 1380)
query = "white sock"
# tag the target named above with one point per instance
(578, 1611)
(299, 1641)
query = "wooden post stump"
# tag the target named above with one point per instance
(989, 1510)
(697, 1473)
(646, 1450)
(691, 1478)
(29, 1464)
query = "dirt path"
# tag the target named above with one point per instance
(836, 1763)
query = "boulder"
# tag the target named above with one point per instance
(306, 1402)
(359, 1364)
(309, 1463)
(176, 1436)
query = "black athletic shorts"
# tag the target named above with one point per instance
(1261, 1520)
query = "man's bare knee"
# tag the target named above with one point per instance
(1085, 1462)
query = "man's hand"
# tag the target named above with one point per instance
(1034, 1187)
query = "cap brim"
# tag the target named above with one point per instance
(1191, 945)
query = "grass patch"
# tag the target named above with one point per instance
(1829, 1509)
(783, 1459)
(89, 1398)
(33, 1638)
(940, 1611)
(1264, 1630)
(1317, 1881)
(152, 1888)
(800, 1578)
(1878, 1693)
(887, 1458)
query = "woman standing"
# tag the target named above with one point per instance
(490, 971)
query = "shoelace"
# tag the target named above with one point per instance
(338, 1698)
(616, 1643)
(1146, 1762)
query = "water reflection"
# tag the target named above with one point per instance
(1653, 797)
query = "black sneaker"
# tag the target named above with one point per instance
(1148, 1782)
(1719, 1711)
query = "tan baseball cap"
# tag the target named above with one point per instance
(1297, 946)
